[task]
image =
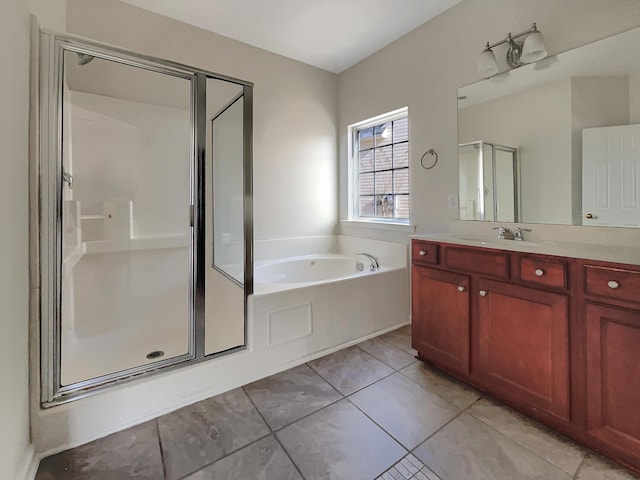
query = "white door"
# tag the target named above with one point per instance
(611, 176)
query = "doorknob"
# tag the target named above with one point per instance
(589, 215)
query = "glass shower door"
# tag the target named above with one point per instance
(126, 279)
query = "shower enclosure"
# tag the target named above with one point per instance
(489, 185)
(144, 172)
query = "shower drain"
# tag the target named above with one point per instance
(156, 354)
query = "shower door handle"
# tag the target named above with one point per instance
(67, 177)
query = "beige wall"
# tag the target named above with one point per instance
(634, 97)
(14, 282)
(51, 14)
(295, 110)
(423, 70)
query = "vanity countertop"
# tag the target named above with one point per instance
(590, 251)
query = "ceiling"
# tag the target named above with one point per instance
(329, 34)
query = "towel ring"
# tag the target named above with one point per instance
(429, 152)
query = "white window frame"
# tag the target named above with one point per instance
(353, 187)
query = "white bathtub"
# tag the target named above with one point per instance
(306, 270)
(314, 302)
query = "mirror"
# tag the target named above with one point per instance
(557, 141)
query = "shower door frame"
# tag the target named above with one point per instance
(49, 48)
(516, 176)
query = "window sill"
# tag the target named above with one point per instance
(394, 226)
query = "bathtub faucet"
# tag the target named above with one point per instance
(374, 264)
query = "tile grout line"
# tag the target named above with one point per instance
(438, 430)
(237, 449)
(274, 434)
(361, 388)
(286, 452)
(264, 420)
(480, 394)
(308, 415)
(385, 431)
(535, 454)
(162, 460)
(342, 397)
(379, 337)
(224, 456)
(381, 360)
(575, 475)
(409, 451)
(324, 380)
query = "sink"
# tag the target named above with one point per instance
(481, 239)
(491, 240)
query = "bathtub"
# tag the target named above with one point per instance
(306, 270)
(317, 302)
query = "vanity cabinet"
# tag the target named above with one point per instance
(613, 375)
(557, 338)
(441, 309)
(612, 315)
(523, 344)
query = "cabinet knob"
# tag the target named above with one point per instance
(422, 253)
(483, 293)
(539, 272)
(589, 215)
(461, 288)
(613, 284)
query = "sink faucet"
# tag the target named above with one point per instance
(517, 235)
(504, 233)
(373, 261)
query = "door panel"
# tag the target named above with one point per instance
(611, 176)
(126, 170)
(441, 317)
(613, 390)
(523, 344)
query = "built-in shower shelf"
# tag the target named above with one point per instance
(137, 244)
(72, 258)
(159, 242)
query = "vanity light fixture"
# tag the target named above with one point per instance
(530, 50)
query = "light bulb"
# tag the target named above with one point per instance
(534, 48)
(487, 64)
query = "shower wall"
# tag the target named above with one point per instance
(124, 158)
(295, 111)
(125, 280)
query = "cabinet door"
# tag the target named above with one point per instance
(613, 376)
(523, 344)
(440, 317)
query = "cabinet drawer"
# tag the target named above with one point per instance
(423, 252)
(613, 283)
(543, 272)
(488, 263)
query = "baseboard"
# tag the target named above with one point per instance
(29, 466)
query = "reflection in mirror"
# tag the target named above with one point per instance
(488, 182)
(227, 155)
(573, 120)
(225, 325)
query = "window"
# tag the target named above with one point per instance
(380, 168)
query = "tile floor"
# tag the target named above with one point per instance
(368, 412)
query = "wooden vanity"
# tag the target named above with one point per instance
(555, 337)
